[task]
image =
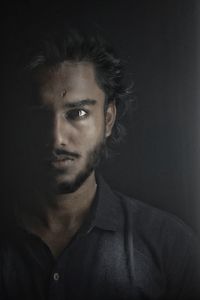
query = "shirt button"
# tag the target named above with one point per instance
(56, 276)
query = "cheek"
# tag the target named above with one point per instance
(92, 132)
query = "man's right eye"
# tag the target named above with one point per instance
(76, 114)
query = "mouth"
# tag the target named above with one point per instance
(62, 163)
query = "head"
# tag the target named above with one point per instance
(76, 101)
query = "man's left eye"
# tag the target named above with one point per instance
(76, 114)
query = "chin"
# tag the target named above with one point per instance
(67, 186)
(71, 181)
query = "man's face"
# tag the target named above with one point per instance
(70, 125)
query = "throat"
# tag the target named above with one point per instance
(61, 221)
(59, 227)
(58, 239)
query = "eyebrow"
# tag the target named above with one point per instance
(80, 103)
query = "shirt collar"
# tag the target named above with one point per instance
(107, 210)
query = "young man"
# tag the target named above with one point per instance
(73, 237)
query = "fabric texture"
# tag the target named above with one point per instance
(125, 250)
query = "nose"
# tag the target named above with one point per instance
(60, 132)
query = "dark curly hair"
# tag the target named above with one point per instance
(57, 47)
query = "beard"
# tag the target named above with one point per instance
(92, 161)
(31, 201)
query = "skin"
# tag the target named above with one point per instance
(75, 126)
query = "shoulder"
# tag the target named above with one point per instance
(161, 235)
(151, 227)
(142, 219)
(150, 217)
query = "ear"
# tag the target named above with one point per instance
(110, 116)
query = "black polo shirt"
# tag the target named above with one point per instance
(125, 250)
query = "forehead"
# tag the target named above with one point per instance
(77, 79)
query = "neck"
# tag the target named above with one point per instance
(67, 209)
(73, 206)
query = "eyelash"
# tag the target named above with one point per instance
(74, 114)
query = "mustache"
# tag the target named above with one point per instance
(61, 154)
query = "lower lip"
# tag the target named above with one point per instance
(62, 164)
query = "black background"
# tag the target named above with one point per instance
(158, 162)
